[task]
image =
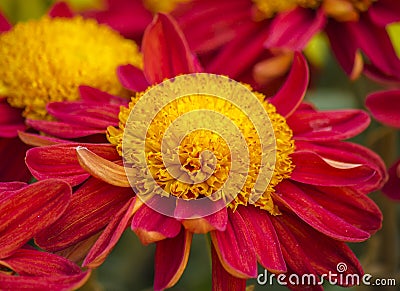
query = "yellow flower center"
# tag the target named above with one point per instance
(204, 159)
(341, 10)
(166, 6)
(46, 60)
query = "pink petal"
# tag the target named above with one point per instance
(61, 9)
(166, 53)
(291, 94)
(151, 226)
(316, 216)
(29, 210)
(384, 12)
(132, 78)
(235, 249)
(170, 260)
(5, 25)
(299, 244)
(93, 116)
(41, 271)
(11, 120)
(353, 154)
(110, 236)
(265, 240)
(93, 95)
(60, 161)
(221, 279)
(92, 208)
(328, 125)
(392, 187)
(384, 106)
(63, 129)
(312, 168)
(196, 217)
(293, 29)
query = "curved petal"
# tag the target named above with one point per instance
(328, 125)
(289, 97)
(351, 153)
(170, 259)
(33, 139)
(392, 187)
(61, 9)
(110, 236)
(27, 211)
(264, 238)
(92, 208)
(316, 216)
(151, 226)
(60, 161)
(132, 78)
(41, 271)
(384, 106)
(293, 29)
(299, 244)
(166, 53)
(102, 168)
(384, 12)
(235, 249)
(11, 120)
(221, 279)
(312, 168)
(11, 186)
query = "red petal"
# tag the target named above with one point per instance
(132, 78)
(63, 129)
(354, 154)
(110, 236)
(93, 116)
(307, 251)
(328, 125)
(316, 216)
(60, 161)
(392, 187)
(41, 271)
(384, 12)
(29, 210)
(166, 53)
(5, 25)
(93, 95)
(12, 166)
(11, 186)
(235, 248)
(221, 279)
(61, 9)
(264, 238)
(293, 29)
(91, 209)
(291, 94)
(384, 106)
(151, 226)
(11, 119)
(314, 169)
(170, 260)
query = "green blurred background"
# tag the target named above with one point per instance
(130, 265)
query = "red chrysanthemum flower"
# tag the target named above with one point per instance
(46, 60)
(316, 199)
(384, 106)
(25, 211)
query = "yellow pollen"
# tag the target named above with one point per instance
(204, 155)
(46, 60)
(341, 10)
(164, 6)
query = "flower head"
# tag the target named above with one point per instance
(316, 196)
